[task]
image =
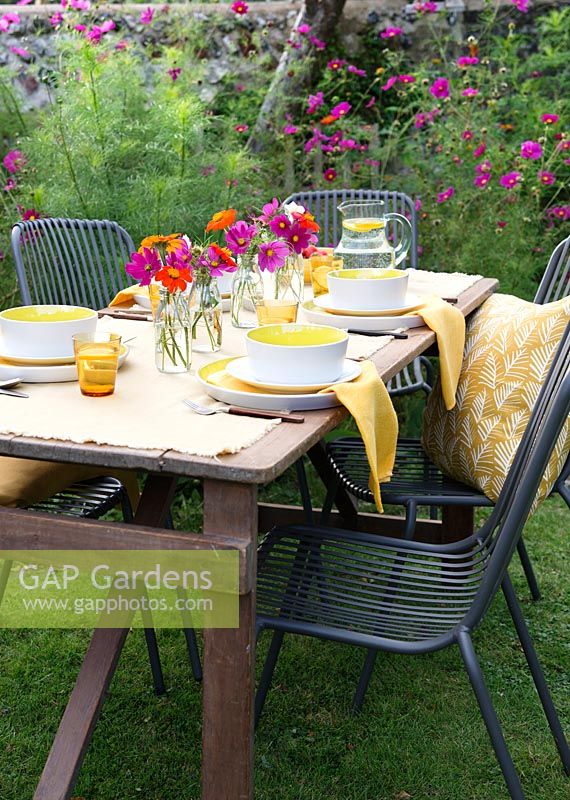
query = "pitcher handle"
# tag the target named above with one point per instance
(401, 251)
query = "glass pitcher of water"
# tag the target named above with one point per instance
(364, 243)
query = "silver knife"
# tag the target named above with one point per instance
(13, 393)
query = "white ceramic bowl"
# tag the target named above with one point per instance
(44, 331)
(365, 289)
(296, 354)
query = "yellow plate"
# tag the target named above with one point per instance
(323, 303)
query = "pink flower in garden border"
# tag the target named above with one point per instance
(467, 61)
(371, 102)
(521, 5)
(479, 150)
(443, 197)
(174, 73)
(318, 44)
(391, 33)
(272, 255)
(561, 213)
(482, 180)
(335, 64)
(340, 110)
(470, 92)
(240, 8)
(440, 88)
(290, 130)
(426, 8)
(510, 180)
(329, 175)
(389, 83)
(546, 178)
(122, 44)
(407, 78)
(483, 167)
(241, 127)
(356, 71)
(531, 150)
(549, 119)
(24, 2)
(14, 160)
(467, 135)
(315, 101)
(7, 20)
(56, 19)
(146, 16)
(20, 51)
(304, 29)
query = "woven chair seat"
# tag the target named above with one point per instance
(88, 499)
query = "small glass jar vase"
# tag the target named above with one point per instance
(288, 281)
(173, 332)
(206, 303)
(247, 291)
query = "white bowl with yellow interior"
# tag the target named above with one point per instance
(296, 353)
(44, 331)
(363, 289)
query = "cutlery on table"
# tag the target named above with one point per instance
(10, 384)
(118, 313)
(13, 393)
(285, 416)
(379, 333)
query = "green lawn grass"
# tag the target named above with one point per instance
(420, 734)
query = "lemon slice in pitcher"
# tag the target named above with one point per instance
(362, 225)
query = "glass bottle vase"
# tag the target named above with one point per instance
(247, 290)
(206, 303)
(173, 332)
(288, 281)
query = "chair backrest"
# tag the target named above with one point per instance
(555, 283)
(71, 261)
(502, 530)
(323, 205)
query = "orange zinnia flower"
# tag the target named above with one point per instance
(173, 278)
(307, 221)
(225, 254)
(222, 219)
(328, 119)
(150, 241)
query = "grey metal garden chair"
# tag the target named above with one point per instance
(416, 480)
(323, 205)
(81, 262)
(410, 597)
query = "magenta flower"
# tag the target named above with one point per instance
(29, 213)
(391, 33)
(108, 25)
(356, 71)
(241, 128)
(467, 135)
(482, 179)
(121, 45)
(340, 110)
(561, 213)
(389, 83)
(269, 210)
(407, 78)
(10, 184)
(329, 175)
(318, 44)
(532, 150)
(466, 61)
(546, 178)
(521, 5)
(240, 8)
(14, 160)
(272, 255)
(421, 120)
(19, 51)
(371, 102)
(549, 119)
(483, 167)
(7, 20)
(174, 73)
(336, 64)
(80, 5)
(218, 260)
(470, 92)
(510, 180)
(280, 225)
(315, 101)
(501, 223)
(181, 257)
(239, 236)
(146, 16)
(446, 195)
(94, 35)
(426, 8)
(479, 150)
(290, 130)
(143, 266)
(24, 2)
(56, 19)
(440, 88)
(304, 29)
(563, 145)
(300, 237)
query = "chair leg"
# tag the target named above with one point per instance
(528, 570)
(190, 636)
(364, 680)
(305, 491)
(489, 716)
(329, 500)
(411, 514)
(564, 492)
(126, 506)
(537, 674)
(267, 673)
(154, 658)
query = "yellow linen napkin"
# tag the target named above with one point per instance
(367, 399)
(448, 324)
(126, 297)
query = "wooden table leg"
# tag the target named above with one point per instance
(229, 660)
(97, 670)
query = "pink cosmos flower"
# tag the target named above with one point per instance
(7, 20)
(240, 8)
(143, 266)
(418, 204)
(532, 150)
(483, 167)
(426, 8)
(121, 45)
(272, 255)
(182, 257)
(479, 150)
(340, 110)
(467, 135)
(407, 78)
(559, 212)
(521, 5)
(315, 101)
(19, 51)
(304, 29)
(300, 237)
(421, 120)
(482, 180)
(146, 16)
(501, 223)
(563, 145)
(9, 185)
(466, 61)
(446, 195)
(391, 33)
(269, 210)
(24, 2)
(80, 5)
(56, 19)
(13, 161)
(81, 28)
(29, 213)
(290, 130)
(329, 175)
(280, 225)
(372, 162)
(239, 236)
(174, 73)
(389, 83)
(318, 44)
(94, 35)
(241, 128)
(356, 71)
(510, 180)
(549, 119)
(371, 102)
(108, 25)
(546, 178)
(440, 88)
(336, 64)
(470, 92)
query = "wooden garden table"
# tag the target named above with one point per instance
(232, 519)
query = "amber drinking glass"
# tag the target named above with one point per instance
(276, 312)
(97, 359)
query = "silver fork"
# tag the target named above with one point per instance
(243, 412)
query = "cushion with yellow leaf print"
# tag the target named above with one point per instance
(509, 347)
